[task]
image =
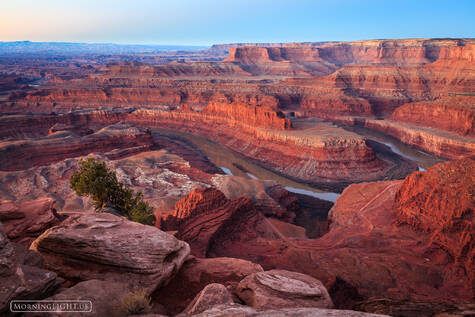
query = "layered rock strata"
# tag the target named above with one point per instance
(315, 152)
(450, 113)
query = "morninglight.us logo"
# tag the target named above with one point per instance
(57, 306)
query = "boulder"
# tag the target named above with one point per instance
(110, 248)
(212, 295)
(196, 273)
(283, 289)
(19, 279)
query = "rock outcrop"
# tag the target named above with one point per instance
(242, 114)
(200, 215)
(107, 247)
(283, 289)
(366, 254)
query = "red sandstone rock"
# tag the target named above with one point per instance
(199, 201)
(200, 215)
(451, 113)
(239, 114)
(269, 197)
(364, 247)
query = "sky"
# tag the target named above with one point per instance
(206, 22)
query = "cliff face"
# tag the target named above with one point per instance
(441, 202)
(237, 114)
(388, 52)
(435, 141)
(450, 113)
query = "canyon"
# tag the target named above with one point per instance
(336, 174)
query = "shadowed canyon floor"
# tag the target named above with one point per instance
(300, 179)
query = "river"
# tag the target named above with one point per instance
(233, 163)
(422, 159)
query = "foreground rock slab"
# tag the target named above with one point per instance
(107, 247)
(283, 289)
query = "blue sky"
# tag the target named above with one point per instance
(205, 22)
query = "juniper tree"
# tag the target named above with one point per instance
(95, 180)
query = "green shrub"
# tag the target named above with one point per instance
(136, 303)
(95, 180)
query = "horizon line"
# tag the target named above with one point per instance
(239, 42)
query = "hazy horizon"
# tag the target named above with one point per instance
(225, 43)
(208, 22)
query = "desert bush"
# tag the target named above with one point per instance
(136, 303)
